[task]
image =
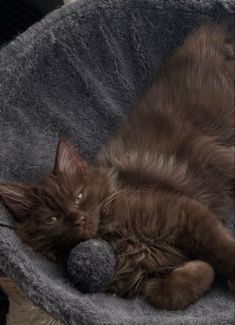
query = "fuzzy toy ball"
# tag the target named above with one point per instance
(91, 265)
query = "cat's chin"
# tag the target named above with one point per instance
(87, 236)
(84, 234)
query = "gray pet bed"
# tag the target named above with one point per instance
(77, 73)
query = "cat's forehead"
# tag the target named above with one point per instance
(64, 187)
(59, 182)
(60, 186)
(55, 189)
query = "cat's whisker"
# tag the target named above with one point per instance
(114, 196)
(15, 199)
(117, 194)
(38, 198)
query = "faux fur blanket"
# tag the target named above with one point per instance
(77, 73)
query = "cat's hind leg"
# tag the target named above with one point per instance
(205, 61)
(201, 79)
(181, 287)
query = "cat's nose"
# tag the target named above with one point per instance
(79, 222)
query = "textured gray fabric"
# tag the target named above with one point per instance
(77, 73)
(91, 265)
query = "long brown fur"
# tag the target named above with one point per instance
(160, 189)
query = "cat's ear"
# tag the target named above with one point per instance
(67, 159)
(16, 198)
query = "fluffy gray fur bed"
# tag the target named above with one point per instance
(77, 73)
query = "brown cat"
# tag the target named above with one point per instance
(159, 191)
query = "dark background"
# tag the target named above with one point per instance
(3, 307)
(17, 15)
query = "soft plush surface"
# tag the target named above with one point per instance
(77, 73)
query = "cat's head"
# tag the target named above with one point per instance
(62, 208)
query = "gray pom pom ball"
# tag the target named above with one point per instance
(91, 265)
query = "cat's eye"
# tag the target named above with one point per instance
(78, 198)
(51, 220)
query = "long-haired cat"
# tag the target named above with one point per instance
(159, 191)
